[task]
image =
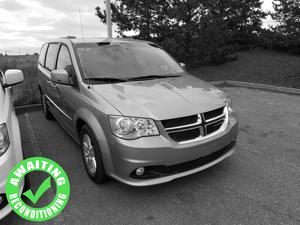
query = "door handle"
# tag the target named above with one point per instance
(52, 83)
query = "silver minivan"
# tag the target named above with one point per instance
(138, 116)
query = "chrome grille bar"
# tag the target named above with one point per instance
(201, 124)
(199, 121)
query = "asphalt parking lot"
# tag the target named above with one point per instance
(259, 184)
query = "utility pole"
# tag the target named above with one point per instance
(108, 19)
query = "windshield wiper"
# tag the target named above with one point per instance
(150, 77)
(107, 79)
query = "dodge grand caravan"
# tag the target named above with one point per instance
(138, 116)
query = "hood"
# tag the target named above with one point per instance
(162, 99)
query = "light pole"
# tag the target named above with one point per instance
(108, 19)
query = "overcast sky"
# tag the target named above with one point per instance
(25, 25)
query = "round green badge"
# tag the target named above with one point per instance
(55, 172)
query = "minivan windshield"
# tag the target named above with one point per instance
(124, 60)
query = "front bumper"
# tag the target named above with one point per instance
(7, 162)
(160, 151)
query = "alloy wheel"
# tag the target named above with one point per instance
(89, 154)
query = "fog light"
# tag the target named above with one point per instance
(140, 171)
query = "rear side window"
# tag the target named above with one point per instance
(51, 56)
(43, 54)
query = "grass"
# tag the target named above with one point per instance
(257, 66)
(26, 92)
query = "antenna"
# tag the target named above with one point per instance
(81, 27)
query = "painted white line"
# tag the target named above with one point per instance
(35, 145)
(37, 152)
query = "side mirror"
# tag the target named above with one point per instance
(182, 65)
(61, 76)
(12, 77)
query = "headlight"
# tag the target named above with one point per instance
(132, 128)
(4, 139)
(229, 106)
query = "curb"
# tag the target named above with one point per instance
(264, 87)
(218, 83)
(28, 108)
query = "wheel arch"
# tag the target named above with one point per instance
(85, 117)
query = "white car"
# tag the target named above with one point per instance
(10, 140)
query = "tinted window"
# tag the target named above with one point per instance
(51, 56)
(64, 60)
(124, 60)
(43, 54)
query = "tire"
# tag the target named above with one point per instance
(48, 115)
(91, 155)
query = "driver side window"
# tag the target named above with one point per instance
(64, 62)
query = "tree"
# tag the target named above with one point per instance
(194, 31)
(287, 15)
(243, 18)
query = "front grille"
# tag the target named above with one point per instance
(195, 126)
(212, 114)
(185, 135)
(152, 172)
(179, 121)
(213, 127)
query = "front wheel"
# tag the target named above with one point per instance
(92, 155)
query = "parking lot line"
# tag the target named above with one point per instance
(38, 179)
(35, 145)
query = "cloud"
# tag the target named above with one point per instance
(268, 5)
(67, 6)
(269, 22)
(11, 5)
(34, 20)
(41, 20)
